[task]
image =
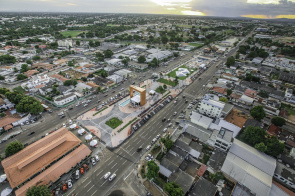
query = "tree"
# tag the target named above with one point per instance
(24, 68)
(263, 94)
(237, 56)
(2, 77)
(223, 99)
(41, 190)
(141, 59)
(173, 189)
(164, 39)
(36, 58)
(21, 77)
(13, 147)
(274, 146)
(71, 64)
(258, 112)
(278, 121)
(7, 59)
(78, 43)
(261, 147)
(254, 135)
(36, 107)
(104, 73)
(108, 53)
(165, 86)
(98, 89)
(229, 92)
(176, 80)
(84, 79)
(70, 82)
(29, 62)
(153, 170)
(230, 61)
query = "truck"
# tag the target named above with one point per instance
(46, 108)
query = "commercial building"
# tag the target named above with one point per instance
(213, 108)
(250, 167)
(64, 99)
(44, 161)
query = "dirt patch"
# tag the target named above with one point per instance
(151, 188)
(291, 118)
(237, 118)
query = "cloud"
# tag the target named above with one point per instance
(71, 4)
(234, 8)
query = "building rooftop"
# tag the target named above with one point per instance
(197, 117)
(203, 188)
(29, 161)
(183, 179)
(214, 103)
(217, 159)
(198, 132)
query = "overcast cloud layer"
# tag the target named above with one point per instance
(231, 8)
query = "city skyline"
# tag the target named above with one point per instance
(263, 9)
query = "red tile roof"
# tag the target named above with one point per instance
(250, 93)
(274, 130)
(219, 90)
(59, 77)
(201, 170)
(7, 120)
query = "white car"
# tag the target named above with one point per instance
(70, 184)
(86, 105)
(70, 122)
(170, 124)
(107, 175)
(164, 130)
(112, 177)
(148, 147)
(174, 113)
(158, 136)
(64, 125)
(147, 158)
(96, 158)
(93, 161)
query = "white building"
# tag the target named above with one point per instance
(64, 99)
(115, 62)
(213, 108)
(115, 78)
(65, 43)
(288, 93)
(35, 81)
(201, 120)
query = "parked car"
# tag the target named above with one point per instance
(107, 175)
(93, 161)
(170, 124)
(70, 184)
(148, 147)
(147, 158)
(62, 116)
(96, 158)
(77, 174)
(139, 149)
(174, 114)
(86, 105)
(31, 133)
(64, 125)
(164, 130)
(112, 177)
(70, 108)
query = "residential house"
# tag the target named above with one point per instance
(83, 88)
(65, 99)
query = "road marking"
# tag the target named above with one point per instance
(124, 162)
(94, 192)
(111, 162)
(113, 166)
(128, 175)
(90, 188)
(87, 184)
(103, 183)
(84, 180)
(116, 170)
(133, 153)
(99, 173)
(108, 159)
(71, 192)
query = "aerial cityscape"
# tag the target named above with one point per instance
(149, 97)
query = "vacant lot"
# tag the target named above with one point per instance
(71, 33)
(196, 45)
(114, 122)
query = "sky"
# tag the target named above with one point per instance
(266, 9)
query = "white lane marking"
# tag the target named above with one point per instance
(87, 184)
(124, 162)
(108, 159)
(84, 180)
(71, 192)
(94, 192)
(90, 188)
(99, 173)
(104, 182)
(116, 171)
(128, 175)
(113, 166)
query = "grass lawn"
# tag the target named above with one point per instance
(114, 122)
(196, 45)
(160, 90)
(168, 82)
(173, 73)
(288, 108)
(19, 89)
(71, 33)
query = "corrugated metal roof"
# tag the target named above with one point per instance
(164, 171)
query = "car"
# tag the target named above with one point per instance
(164, 130)
(147, 158)
(151, 157)
(148, 147)
(63, 124)
(170, 124)
(112, 177)
(139, 149)
(98, 101)
(71, 108)
(122, 89)
(50, 111)
(62, 116)
(77, 174)
(174, 114)
(106, 95)
(86, 105)
(107, 175)
(93, 161)
(168, 120)
(96, 158)
(133, 83)
(186, 101)
(70, 122)
(154, 140)
(175, 101)
(70, 184)
(158, 136)
(164, 119)
(77, 104)
(31, 133)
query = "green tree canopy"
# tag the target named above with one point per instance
(261, 147)
(36, 58)
(153, 170)
(229, 92)
(5, 59)
(263, 94)
(24, 68)
(41, 190)
(21, 77)
(29, 62)
(13, 147)
(254, 135)
(258, 112)
(164, 39)
(230, 61)
(141, 59)
(223, 99)
(70, 82)
(278, 121)
(2, 78)
(274, 146)
(108, 53)
(173, 189)
(78, 43)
